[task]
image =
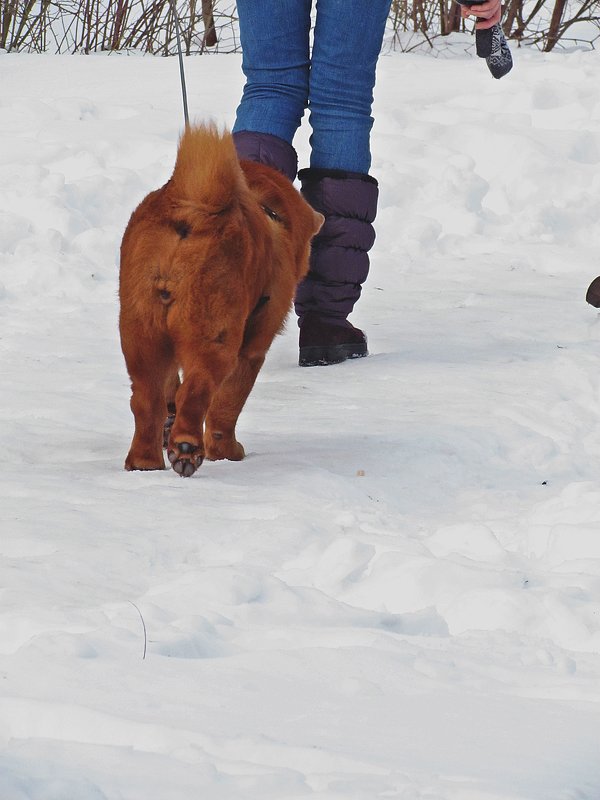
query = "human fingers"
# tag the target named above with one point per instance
(488, 13)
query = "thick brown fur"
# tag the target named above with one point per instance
(209, 266)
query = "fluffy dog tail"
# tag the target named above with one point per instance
(207, 173)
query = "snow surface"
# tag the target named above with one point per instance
(397, 593)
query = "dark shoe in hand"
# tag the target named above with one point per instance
(329, 341)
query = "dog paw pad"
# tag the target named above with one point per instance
(185, 458)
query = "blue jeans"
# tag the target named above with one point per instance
(335, 82)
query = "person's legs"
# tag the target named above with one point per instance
(347, 43)
(276, 62)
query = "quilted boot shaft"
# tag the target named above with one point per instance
(267, 149)
(339, 262)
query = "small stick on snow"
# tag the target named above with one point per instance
(144, 627)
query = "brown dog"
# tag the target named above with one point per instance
(209, 266)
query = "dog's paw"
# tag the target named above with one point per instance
(218, 447)
(185, 458)
(141, 463)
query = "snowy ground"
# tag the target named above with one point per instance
(397, 593)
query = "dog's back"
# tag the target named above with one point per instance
(169, 245)
(209, 265)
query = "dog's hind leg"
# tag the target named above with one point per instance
(148, 369)
(226, 406)
(261, 328)
(202, 377)
(228, 402)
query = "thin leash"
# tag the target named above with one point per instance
(186, 115)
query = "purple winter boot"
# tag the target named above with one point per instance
(267, 149)
(338, 267)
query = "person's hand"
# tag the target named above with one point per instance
(489, 13)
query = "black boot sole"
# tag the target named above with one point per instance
(321, 356)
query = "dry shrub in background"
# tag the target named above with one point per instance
(69, 26)
(541, 23)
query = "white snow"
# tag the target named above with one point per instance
(397, 593)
